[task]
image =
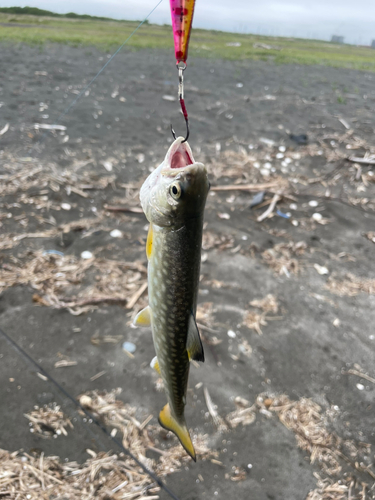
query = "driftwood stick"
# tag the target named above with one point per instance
(133, 300)
(270, 209)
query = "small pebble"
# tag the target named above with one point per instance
(116, 233)
(231, 334)
(66, 206)
(317, 216)
(336, 322)
(282, 149)
(86, 255)
(279, 156)
(321, 269)
(239, 85)
(313, 203)
(293, 206)
(224, 216)
(108, 166)
(295, 223)
(129, 346)
(360, 387)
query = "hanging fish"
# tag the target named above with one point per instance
(182, 12)
(173, 198)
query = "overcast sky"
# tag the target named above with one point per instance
(353, 19)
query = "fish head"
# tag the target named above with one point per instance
(177, 189)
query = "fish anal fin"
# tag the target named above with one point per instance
(143, 318)
(194, 345)
(155, 365)
(167, 421)
(149, 242)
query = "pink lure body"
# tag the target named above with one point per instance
(182, 12)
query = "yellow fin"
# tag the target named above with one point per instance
(155, 364)
(143, 318)
(149, 242)
(167, 421)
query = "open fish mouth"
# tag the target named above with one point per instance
(179, 157)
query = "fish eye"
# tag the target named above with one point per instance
(175, 190)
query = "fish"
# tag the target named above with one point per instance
(173, 198)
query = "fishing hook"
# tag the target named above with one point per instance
(187, 132)
(181, 66)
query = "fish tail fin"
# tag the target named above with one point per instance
(167, 421)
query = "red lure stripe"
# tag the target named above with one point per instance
(184, 110)
(182, 12)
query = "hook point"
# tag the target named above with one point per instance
(187, 132)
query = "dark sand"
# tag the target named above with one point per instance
(301, 354)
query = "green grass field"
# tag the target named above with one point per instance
(108, 35)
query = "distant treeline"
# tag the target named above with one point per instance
(34, 11)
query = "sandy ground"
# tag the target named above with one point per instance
(315, 339)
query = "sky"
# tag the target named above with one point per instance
(353, 19)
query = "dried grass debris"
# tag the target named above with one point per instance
(350, 285)
(244, 414)
(48, 421)
(283, 257)
(23, 176)
(237, 474)
(103, 475)
(305, 419)
(268, 304)
(370, 236)
(217, 241)
(254, 319)
(86, 281)
(327, 489)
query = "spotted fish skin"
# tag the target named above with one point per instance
(173, 282)
(173, 199)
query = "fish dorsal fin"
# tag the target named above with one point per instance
(149, 242)
(143, 318)
(167, 421)
(194, 345)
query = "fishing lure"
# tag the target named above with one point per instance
(182, 12)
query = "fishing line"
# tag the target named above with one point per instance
(66, 111)
(41, 370)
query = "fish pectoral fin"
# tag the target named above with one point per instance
(143, 318)
(155, 364)
(149, 242)
(194, 345)
(167, 421)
